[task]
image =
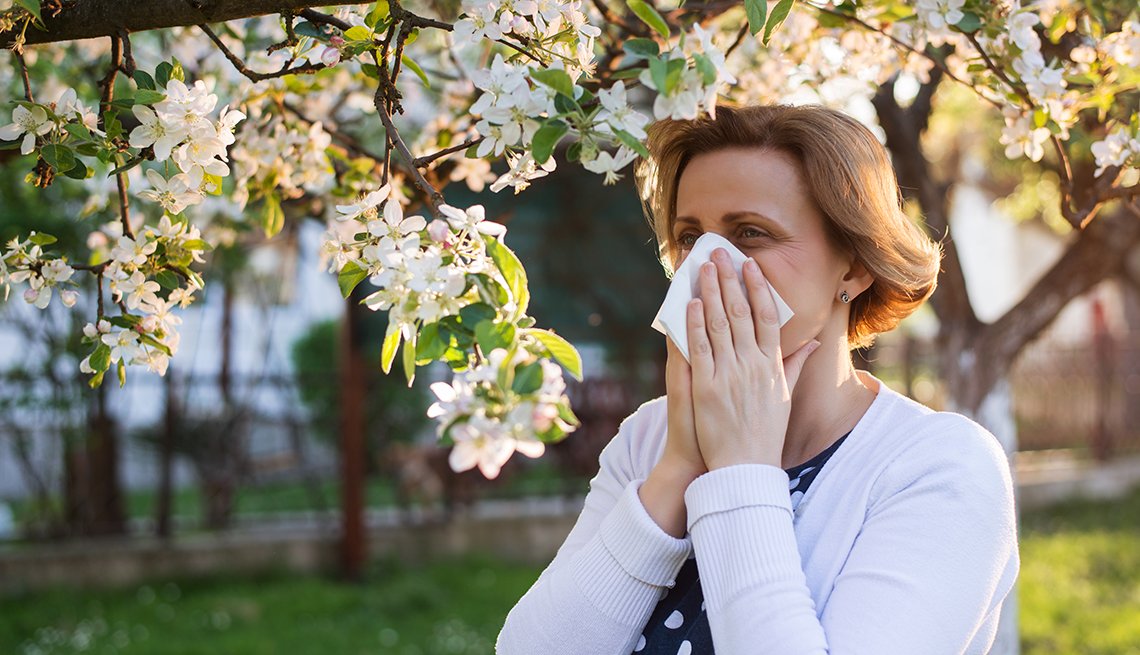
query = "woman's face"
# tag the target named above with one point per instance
(756, 199)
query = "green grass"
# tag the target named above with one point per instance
(448, 607)
(1079, 593)
(1080, 579)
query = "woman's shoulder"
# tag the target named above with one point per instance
(915, 441)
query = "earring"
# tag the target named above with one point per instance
(844, 297)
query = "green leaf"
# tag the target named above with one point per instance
(633, 142)
(96, 379)
(641, 48)
(370, 70)
(79, 171)
(350, 276)
(162, 73)
(658, 69)
(41, 239)
(555, 79)
(305, 28)
(528, 378)
(148, 96)
(547, 136)
(626, 73)
(33, 7)
(674, 68)
(567, 414)
(706, 68)
(78, 130)
(491, 335)
(776, 18)
(970, 23)
(166, 279)
(649, 16)
(131, 163)
(410, 359)
(379, 12)
(565, 104)
(122, 372)
(416, 69)
(358, 33)
(143, 79)
(432, 343)
(756, 10)
(513, 272)
(391, 343)
(476, 313)
(273, 217)
(196, 244)
(562, 351)
(177, 73)
(101, 358)
(59, 157)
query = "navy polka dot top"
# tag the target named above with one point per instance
(679, 625)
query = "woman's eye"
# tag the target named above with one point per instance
(752, 233)
(687, 240)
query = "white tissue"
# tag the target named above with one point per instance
(670, 319)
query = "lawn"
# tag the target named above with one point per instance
(1080, 593)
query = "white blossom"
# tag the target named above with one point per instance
(29, 122)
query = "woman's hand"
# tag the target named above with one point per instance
(741, 386)
(681, 448)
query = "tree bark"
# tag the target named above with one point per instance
(85, 19)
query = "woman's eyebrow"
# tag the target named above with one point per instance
(729, 217)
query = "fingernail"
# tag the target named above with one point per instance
(751, 265)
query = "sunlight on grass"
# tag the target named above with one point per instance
(1080, 579)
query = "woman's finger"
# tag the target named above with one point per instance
(794, 364)
(764, 313)
(716, 322)
(700, 350)
(736, 305)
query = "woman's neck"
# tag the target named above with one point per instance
(829, 399)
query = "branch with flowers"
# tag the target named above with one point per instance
(525, 82)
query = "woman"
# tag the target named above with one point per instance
(776, 500)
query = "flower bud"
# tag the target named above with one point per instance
(439, 231)
(30, 295)
(68, 297)
(148, 324)
(104, 326)
(330, 56)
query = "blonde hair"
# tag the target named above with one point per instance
(848, 177)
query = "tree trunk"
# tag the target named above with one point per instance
(166, 460)
(352, 451)
(92, 491)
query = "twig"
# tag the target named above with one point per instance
(252, 74)
(738, 41)
(128, 63)
(902, 44)
(1065, 169)
(426, 160)
(124, 205)
(1121, 192)
(315, 16)
(19, 54)
(434, 196)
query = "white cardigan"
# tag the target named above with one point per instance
(905, 543)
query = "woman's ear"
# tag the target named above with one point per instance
(857, 279)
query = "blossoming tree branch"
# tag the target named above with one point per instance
(360, 115)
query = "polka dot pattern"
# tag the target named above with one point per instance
(679, 625)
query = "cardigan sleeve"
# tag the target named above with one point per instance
(601, 587)
(935, 557)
